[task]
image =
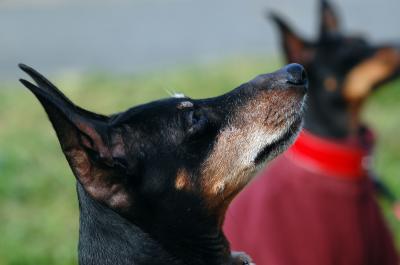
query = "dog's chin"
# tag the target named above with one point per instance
(278, 146)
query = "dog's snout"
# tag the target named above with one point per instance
(296, 74)
(291, 76)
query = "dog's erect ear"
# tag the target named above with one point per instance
(296, 49)
(90, 146)
(329, 24)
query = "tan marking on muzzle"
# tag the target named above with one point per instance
(182, 181)
(360, 81)
(259, 123)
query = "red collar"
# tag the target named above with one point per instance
(347, 159)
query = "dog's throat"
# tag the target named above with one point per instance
(194, 242)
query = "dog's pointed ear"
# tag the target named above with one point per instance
(296, 49)
(89, 144)
(329, 24)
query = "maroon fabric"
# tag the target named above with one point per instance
(292, 216)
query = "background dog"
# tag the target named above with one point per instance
(315, 204)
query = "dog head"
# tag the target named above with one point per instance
(343, 71)
(176, 162)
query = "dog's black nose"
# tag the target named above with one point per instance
(292, 76)
(296, 74)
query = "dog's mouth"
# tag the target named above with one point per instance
(273, 149)
(264, 119)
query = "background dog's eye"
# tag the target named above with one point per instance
(196, 121)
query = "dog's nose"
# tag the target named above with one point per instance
(292, 76)
(296, 74)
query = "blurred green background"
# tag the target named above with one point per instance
(38, 203)
(110, 55)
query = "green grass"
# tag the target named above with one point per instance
(38, 204)
(382, 113)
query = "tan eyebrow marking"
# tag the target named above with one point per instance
(185, 104)
(330, 83)
(182, 180)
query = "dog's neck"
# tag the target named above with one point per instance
(107, 238)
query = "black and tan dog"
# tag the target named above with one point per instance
(315, 204)
(343, 71)
(154, 181)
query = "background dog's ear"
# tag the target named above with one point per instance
(296, 49)
(91, 148)
(329, 24)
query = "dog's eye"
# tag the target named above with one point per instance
(196, 121)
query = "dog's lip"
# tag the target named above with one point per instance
(300, 86)
(292, 130)
(288, 85)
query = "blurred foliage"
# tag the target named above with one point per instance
(38, 203)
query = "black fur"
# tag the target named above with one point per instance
(126, 164)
